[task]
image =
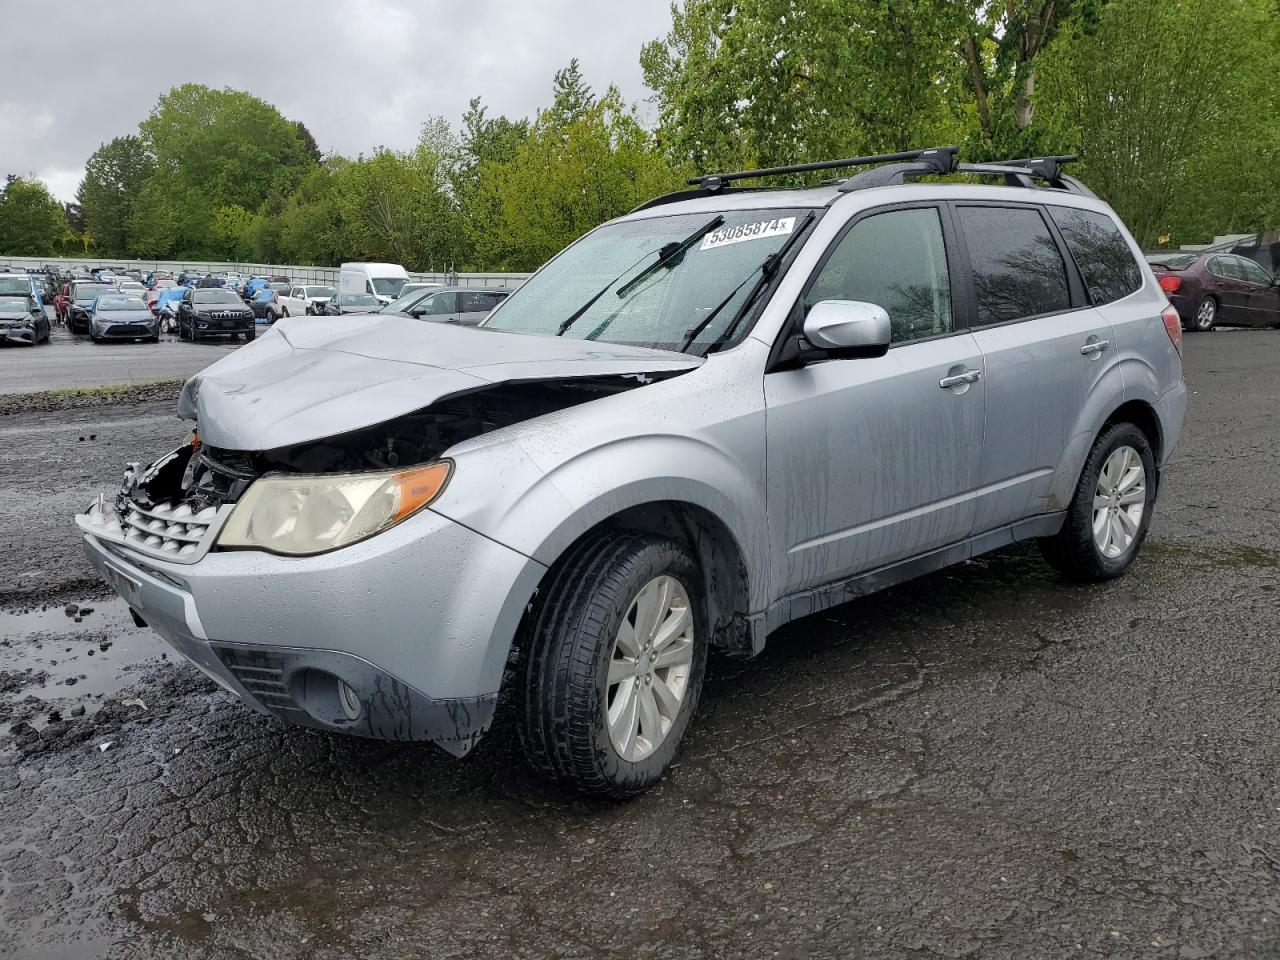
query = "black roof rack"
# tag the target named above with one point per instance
(897, 168)
(943, 159)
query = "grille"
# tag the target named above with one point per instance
(171, 531)
(128, 330)
(263, 676)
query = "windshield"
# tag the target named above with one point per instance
(90, 291)
(388, 286)
(644, 306)
(121, 303)
(403, 304)
(10, 304)
(323, 292)
(15, 285)
(215, 295)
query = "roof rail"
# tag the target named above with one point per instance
(1016, 173)
(941, 158)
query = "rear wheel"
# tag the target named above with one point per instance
(613, 666)
(1206, 315)
(1111, 511)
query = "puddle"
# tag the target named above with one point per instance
(54, 654)
(1210, 557)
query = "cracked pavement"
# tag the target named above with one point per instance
(986, 762)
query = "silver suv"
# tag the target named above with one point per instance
(729, 409)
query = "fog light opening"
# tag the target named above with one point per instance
(348, 701)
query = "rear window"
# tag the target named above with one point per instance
(1017, 269)
(1101, 253)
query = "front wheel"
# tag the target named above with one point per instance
(1206, 315)
(1111, 511)
(615, 654)
(249, 335)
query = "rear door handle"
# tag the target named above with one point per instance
(960, 379)
(1094, 347)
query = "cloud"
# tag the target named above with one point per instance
(358, 73)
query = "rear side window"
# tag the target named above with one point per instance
(1101, 252)
(480, 302)
(898, 261)
(1017, 269)
(1226, 267)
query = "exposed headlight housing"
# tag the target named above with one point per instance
(305, 514)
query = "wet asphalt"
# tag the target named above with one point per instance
(986, 762)
(71, 362)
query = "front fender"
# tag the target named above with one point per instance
(540, 514)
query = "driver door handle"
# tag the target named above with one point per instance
(960, 379)
(1094, 347)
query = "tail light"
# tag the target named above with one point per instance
(1170, 283)
(1173, 326)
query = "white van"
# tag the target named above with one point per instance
(383, 280)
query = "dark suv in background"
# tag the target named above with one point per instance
(212, 312)
(1212, 289)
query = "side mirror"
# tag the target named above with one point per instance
(848, 328)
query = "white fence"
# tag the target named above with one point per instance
(297, 272)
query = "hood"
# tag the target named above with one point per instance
(124, 316)
(314, 377)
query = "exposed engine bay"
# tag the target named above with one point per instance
(205, 476)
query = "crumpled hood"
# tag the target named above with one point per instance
(314, 377)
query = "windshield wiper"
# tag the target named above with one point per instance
(665, 253)
(768, 266)
(669, 253)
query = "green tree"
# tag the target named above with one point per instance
(777, 81)
(563, 180)
(1173, 107)
(32, 223)
(113, 177)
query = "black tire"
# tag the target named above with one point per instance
(284, 312)
(567, 645)
(1206, 316)
(249, 335)
(1072, 551)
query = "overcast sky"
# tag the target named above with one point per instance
(358, 73)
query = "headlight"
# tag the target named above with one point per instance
(305, 514)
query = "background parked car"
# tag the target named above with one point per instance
(213, 312)
(166, 307)
(351, 303)
(122, 317)
(463, 305)
(23, 283)
(1212, 289)
(301, 299)
(22, 320)
(80, 302)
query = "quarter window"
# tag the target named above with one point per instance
(1101, 252)
(1017, 269)
(898, 261)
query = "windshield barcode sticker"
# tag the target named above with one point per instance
(748, 231)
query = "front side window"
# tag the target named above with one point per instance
(667, 282)
(1017, 269)
(896, 260)
(1101, 253)
(1254, 273)
(387, 286)
(439, 305)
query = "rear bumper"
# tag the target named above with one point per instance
(1172, 411)
(416, 622)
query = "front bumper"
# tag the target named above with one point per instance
(139, 330)
(416, 622)
(207, 325)
(24, 335)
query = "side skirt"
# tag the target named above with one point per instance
(817, 599)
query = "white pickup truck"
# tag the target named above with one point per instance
(303, 299)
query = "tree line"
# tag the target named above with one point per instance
(1174, 106)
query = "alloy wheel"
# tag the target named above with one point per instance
(649, 668)
(1119, 502)
(1206, 314)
